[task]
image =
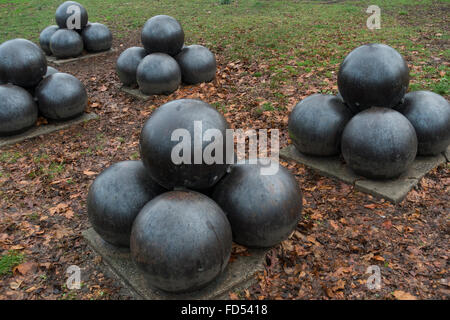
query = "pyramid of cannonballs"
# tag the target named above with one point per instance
(164, 62)
(179, 219)
(73, 33)
(29, 87)
(378, 127)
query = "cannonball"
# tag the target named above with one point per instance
(162, 34)
(181, 240)
(66, 43)
(96, 37)
(353, 110)
(127, 64)
(429, 113)
(50, 71)
(65, 16)
(18, 111)
(115, 198)
(197, 64)
(263, 210)
(373, 75)
(22, 63)
(316, 124)
(61, 96)
(379, 143)
(158, 73)
(187, 166)
(44, 38)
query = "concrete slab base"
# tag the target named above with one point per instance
(393, 190)
(47, 128)
(135, 93)
(57, 61)
(239, 274)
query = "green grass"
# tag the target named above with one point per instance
(10, 157)
(290, 37)
(9, 261)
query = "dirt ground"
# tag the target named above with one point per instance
(341, 234)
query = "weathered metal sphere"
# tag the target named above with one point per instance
(44, 38)
(373, 75)
(379, 143)
(96, 37)
(158, 73)
(197, 64)
(181, 240)
(61, 96)
(263, 210)
(316, 124)
(116, 197)
(22, 63)
(63, 13)
(50, 71)
(162, 34)
(156, 145)
(429, 113)
(66, 43)
(18, 111)
(127, 64)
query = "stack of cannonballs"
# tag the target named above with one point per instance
(73, 33)
(29, 87)
(180, 237)
(164, 62)
(377, 126)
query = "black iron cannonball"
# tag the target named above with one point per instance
(66, 43)
(61, 96)
(44, 38)
(172, 160)
(373, 75)
(379, 143)
(116, 197)
(18, 111)
(22, 63)
(316, 124)
(64, 13)
(158, 73)
(429, 113)
(263, 210)
(127, 64)
(96, 37)
(32, 90)
(50, 71)
(162, 34)
(197, 64)
(181, 240)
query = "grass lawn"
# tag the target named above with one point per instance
(289, 37)
(270, 54)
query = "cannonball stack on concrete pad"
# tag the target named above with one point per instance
(29, 86)
(164, 62)
(180, 238)
(373, 122)
(74, 33)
